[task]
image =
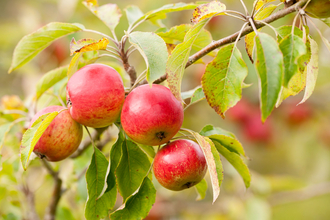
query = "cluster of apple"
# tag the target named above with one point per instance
(148, 115)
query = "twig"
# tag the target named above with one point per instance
(57, 192)
(31, 209)
(87, 142)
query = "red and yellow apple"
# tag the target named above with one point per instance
(95, 95)
(179, 165)
(61, 138)
(151, 115)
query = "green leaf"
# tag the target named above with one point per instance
(49, 79)
(154, 51)
(132, 169)
(269, 65)
(201, 189)
(225, 138)
(286, 30)
(138, 205)
(176, 62)
(98, 208)
(312, 70)
(30, 45)
(33, 134)
(161, 12)
(213, 162)
(197, 96)
(177, 33)
(236, 161)
(133, 13)
(293, 48)
(188, 94)
(109, 13)
(73, 67)
(223, 79)
(149, 150)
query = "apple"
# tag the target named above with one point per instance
(95, 95)
(241, 112)
(299, 114)
(255, 131)
(61, 138)
(179, 165)
(151, 115)
(318, 8)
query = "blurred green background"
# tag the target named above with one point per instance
(288, 156)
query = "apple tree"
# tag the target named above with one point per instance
(147, 108)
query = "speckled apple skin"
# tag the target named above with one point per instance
(150, 111)
(319, 8)
(95, 95)
(61, 138)
(180, 165)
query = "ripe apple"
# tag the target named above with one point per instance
(151, 115)
(61, 138)
(241, 112)
(179, 165)
(255, 131)
(318, 8)
(95, 95)
(299, 114)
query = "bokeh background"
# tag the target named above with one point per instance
(288, 156)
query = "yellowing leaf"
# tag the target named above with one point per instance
(93, 2)
(207, 10)
(85, 45)
(261, 3)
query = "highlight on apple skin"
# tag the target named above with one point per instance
(95, 95)
(179, 165)
(151, 115)
(61, 138)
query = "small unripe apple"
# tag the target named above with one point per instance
(61, 138)
(95, 95)
(318, 8)
(179, 165)
(151, 115)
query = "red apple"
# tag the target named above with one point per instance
(61, 138)
(241, 112)
(299, 114)
(254, 130)
(179, 165)
(95, 95)
(318, 8)
(151, 115)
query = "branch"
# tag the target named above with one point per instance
(57, 192)
(232, 38)
(30, 201)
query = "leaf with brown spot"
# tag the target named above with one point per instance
(207, 10)
(223, 79)
(109, 13)
(87, 44)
